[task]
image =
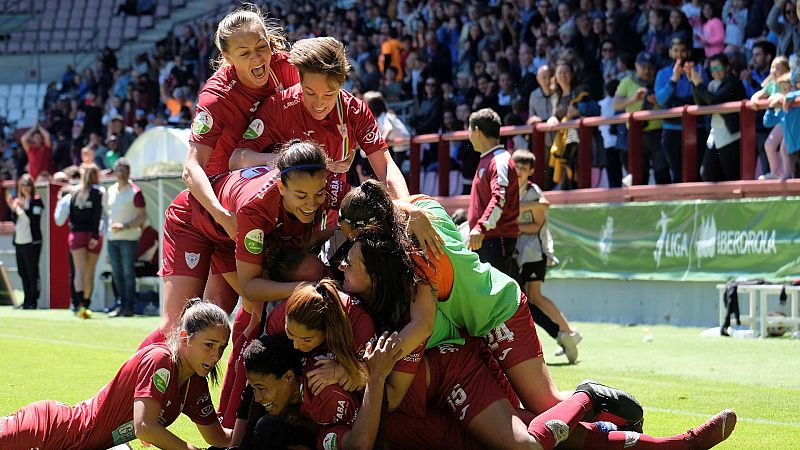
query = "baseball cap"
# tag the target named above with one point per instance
(645, 58)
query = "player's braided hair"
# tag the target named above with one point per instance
(273, 355)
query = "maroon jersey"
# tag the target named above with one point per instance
(494, 199)
(349, 125)
(225, 106)
(106, 419)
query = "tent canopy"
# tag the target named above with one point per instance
(158, 150)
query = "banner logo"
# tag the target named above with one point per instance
(606, 242)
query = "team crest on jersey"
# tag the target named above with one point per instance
(161, 380)
(480, 172)
(373, 136)
(192, 259)
(203, 123)
(329, 443)
(255, 129)
(254, 241)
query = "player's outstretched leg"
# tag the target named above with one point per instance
(711, 433)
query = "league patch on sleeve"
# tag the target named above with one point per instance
(254, 241)
(254, 130)
(329, 443)
(161, 379)
(203, 123)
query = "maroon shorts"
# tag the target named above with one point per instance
(438, 430)
(43, 424)
(460, 382)
(80, 239)
(515, 340)
(193, 244)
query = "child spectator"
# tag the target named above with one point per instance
(787, 113)
(534, 251)
(608, 132)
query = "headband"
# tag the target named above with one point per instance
(309, 167)
(356, 223)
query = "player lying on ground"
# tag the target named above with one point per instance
(275, 372)
(148, 393)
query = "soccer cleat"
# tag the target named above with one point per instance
(612, 400)
(84, 312)
(711, 433)
(569, 344)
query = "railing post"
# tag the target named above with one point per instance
(537, 148)
(414, 163)
(635, 161)
(584, 168)
(688, 146)
(444, 167)
(747, 143)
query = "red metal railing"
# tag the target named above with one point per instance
(635, 121)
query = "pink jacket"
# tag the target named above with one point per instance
(713, 37)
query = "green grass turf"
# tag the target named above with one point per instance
(680, 377)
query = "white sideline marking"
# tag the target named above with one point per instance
(707, 416)
(62, 342)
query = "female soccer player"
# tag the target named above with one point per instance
(270, 205)
(393, 279)
(252, 66)
(319, 109)
(451, 379)
(148, 393)
(85, 241)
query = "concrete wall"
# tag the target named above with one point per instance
(642, 302)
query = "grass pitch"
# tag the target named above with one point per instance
(679, 377)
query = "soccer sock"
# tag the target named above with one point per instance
(233, 383)
(619, 440)
(552, 426)
(152, 338)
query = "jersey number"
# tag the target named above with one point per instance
(498, 334)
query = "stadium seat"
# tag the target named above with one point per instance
(15, 102)
(5, 90)
(30, 90)
(29, 102)
(13, 47)
(14, 115)
(41, 91)
(17, 90)
(162, 10)
(146, 21)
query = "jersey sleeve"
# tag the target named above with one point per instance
(368, 135)
(138, 198)
(198, 406)
(251, 228)
(155, 373)
(261, 132)
(333, 405)
(363, 328)
(331, 437)
(210, 119)
(276, 321)
(411, 362)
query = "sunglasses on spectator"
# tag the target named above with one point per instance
(608, 49)
(26, 183)
(789, 12)
(716, 68)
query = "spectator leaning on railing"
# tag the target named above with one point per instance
(721, 160)
(673, 88)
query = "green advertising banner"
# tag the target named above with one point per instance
(694, 240)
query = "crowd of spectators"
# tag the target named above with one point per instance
(437, 61)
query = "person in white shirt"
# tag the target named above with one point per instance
(126, 214)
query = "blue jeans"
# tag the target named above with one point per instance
(123, 257)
